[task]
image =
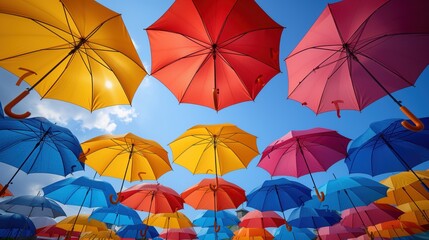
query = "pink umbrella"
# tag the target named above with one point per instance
(358, 52)
(258, 219)
(370, 215)
(339, 232)
(304, 152)
(183, 233)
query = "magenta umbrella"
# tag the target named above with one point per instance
(370, 215)
(339, 232)
(304, 152)
(358, 52)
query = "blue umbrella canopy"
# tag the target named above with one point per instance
(33, 206)
(14, 225)
(35, 145)
(282, 233)
(387, 146)
(118, 215)
(308, 217)
(81, 191)
(210, 234)
(223, 218)
(136, 231)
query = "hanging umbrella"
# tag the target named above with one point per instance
(258, 219)
(136, 231)
(388, 142)
(395, 229)
(68, 47)
(223, 218)
(117, 214)
(105, 235)
(6, 192)
(417, 212)
(81, 223)
(356, 53)
(303, 152)
(339, 232)
(127, 157)
(252, 234)
(36, 145)
(14, 225)
(371, 215)
(54, 231)
(211, 234)
(208, 56)
(282, 233)
(33, 206)
(183, 233)
(169, 220)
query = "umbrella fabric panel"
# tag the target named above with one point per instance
(32, 206)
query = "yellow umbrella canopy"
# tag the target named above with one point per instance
(417, 212)
(81, 224)
(214, 149)
(169, 220)
(105, 235)
(76, 51)
(417, 205)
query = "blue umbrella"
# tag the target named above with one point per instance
(35, 145)
(388, 147)
(136, 231)
(1, 111)
(118, 215)
(210, 234)
(33, 206)
(14, 225)
(223, 218)
(282, 233)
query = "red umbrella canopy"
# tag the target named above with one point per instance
(258, 219)
(215, 53)
(370, 215)
(182, 233)
(339, 232)
(205, 195)
(152, 197)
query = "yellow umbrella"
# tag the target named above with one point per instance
(81, 224)
(169, 220)
(252, 234)
(127, 157)
(419, 205)
(76, 51)
(104, 235)
(416, 212)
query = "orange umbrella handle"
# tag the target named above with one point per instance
(9, 106)
(320, 196)
(288, 227)
(118, 197)
(215, 98)
(28, 73)
(141, 174)
(418, 125)
(213, 187)
(337, 107)
(216, 227)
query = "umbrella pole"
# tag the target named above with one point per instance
(3, 190)
(423, 213)
(68, 236)
(123, 179)
(321, 195)
(288, 227)
(404, 163)
(148, 215)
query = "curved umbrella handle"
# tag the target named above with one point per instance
(140, 175)
(213, 187)
(320, 196)
(288, 227)
(23, 76)
(118, 197)
(216, 227)
(418, 125)
(9, 106)
(337, 106)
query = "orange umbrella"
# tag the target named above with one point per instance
(395, 229)
(252, 234)
(6, 193)
(416, 212)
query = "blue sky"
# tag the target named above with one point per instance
(155, 113)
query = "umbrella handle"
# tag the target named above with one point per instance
(320, 196)
(215, 97)
(213, 187)
(82, 155)
(216, 227)
(23, 76)
(418, 125)
(118, 197)
(140, 175)
(337, 106)
(9, 106)
(288, 227)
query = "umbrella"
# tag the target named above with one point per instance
(258, 219)
(304, 152)
(33, 206)
(40, 222)
(339, 232)
(282, 233)
(205, 54)
(183, 233)
(6, 192)
(127, 157)
(54, 231)
(278, 195)
(387, 141)
(14, 225)
(252, 234)
(136, 231)
(371, 215)
(117, 214)
(417, 212)
(356, 53)
(36, 145)
(105, 235)
(169, 220)
(211, 234)
(69, 47)
(223, 218)
(395, 229)
(81, 223)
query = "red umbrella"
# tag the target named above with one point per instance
(359, 51)
(54, 231)
(304, 152)
(370, 215)
(215, 53)
(339, 232)
(6, 192)
(182, 233)
(258, 219)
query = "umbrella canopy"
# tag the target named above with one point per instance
(118, 215)
(339, 232)
(36, 145)
(169, 220)
(211, 234)
(40, 222)
(371, 215)
(394, 229)
(14, 225)
(258, 219)
(152, 197)
(136, 231)
(388, 141)
(223, 218)
(54, 231)
(105, 235)
(282, 233)
(81, 223)
(6, 192)
(184, 233)
(68, 47)
(356, 53)
(307, 217)
(127, 157)
(33, 206)
(304, 152)
(206, 55)
(252, 234)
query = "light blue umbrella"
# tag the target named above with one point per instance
(33, 206)
(282, 233)
(14, 225)
(210, 234)
(137, 231)
(223, 218)
(118, 215)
